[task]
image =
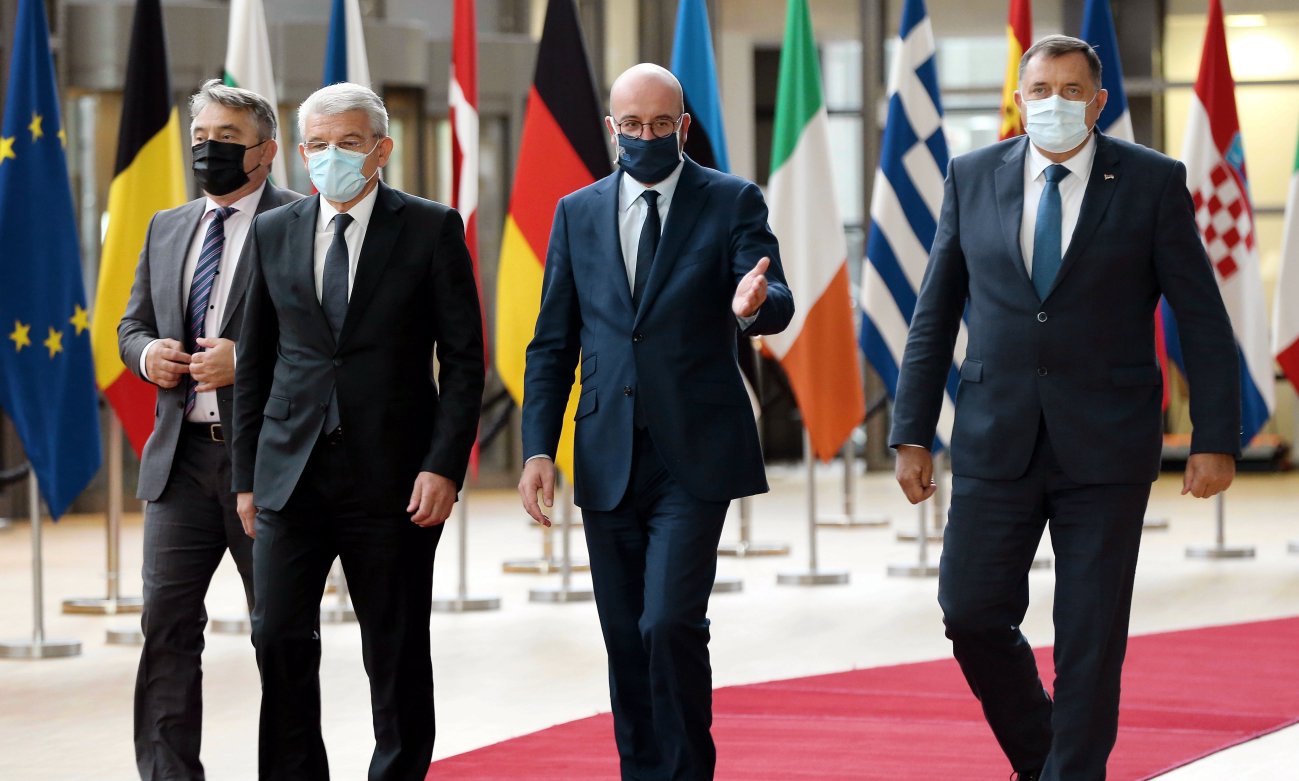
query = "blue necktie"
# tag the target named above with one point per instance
(648, 244)
(1047, 254)
(200, 291)
(333, 299)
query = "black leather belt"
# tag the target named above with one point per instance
(211, 432)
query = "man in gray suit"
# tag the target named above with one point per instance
(1055, 249)
(178, 332)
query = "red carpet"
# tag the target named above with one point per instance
(1185, 695)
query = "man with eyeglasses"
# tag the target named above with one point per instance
(178, 332)
(649, 274)
(345, 443)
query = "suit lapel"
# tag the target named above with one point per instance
(183, 238)
(380, 237)
(1010, 205)
(1101, 185)
(239, 283)
(687, 203)
(608, 192)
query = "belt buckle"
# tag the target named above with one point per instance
(215, 432)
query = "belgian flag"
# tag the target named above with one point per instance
(147, 178)
(563, 149)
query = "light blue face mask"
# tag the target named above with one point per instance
(336, 173)
(1055, 124)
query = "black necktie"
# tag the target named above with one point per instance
(333, 285)
(648, 244)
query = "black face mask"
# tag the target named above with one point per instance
(219, 166)
(648, 161)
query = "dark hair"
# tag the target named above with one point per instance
(213, 91)
(1054, 46)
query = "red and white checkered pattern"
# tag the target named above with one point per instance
(1223, 216)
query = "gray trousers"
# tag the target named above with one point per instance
(186, 533)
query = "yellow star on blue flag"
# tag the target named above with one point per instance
(49, 394)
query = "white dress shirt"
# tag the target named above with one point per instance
(632, 209)
(1072, 188)
(355, 235)
(236, 230)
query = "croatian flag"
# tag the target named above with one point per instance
(1216, 177)
(905, 203)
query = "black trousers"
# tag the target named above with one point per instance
(388, 562)
(186, 533)
(992, 535)
(653, 563)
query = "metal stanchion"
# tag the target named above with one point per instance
(114, 603)
(922, 568)
(1155, 524)
(1220, 549)
(462, 602)
(849, 519)
(38, 647)
(813, 576)
(547, 564)
(745, 547)
(566, 592)
(342, 612)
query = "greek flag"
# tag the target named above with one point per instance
(905, 203)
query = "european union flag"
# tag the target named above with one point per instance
(47, 382)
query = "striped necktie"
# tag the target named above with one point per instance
(200, 290)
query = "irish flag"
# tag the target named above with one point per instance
(818, 350)
(248, 65)
(1285, 313)
(147, 178)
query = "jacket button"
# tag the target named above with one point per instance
(638, 337)
(1041, 371)
(626, 390)
(338, 361)
(1041, 317)
(324, 405)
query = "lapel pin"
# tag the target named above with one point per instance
(1109, 177)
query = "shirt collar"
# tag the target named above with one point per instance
(245, 205)
(359, 213)
(1080, 165)
(630, 189)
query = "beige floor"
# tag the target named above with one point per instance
(528, 665)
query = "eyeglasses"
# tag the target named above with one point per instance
(660, 128)
(353, 144)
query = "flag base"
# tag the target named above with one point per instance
(1220, 552)
(933, 536)
(913, 570)
(1154, 525)
(727, 585)
(561, 595)
(128, 636)
(741, 550)
(45, 649)
(854, 521)
(813, 578)
(465, 604)
(231, 626)
(102, 606)
(548, 566)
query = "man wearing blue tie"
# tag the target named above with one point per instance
(1056, 249)
(650, 273)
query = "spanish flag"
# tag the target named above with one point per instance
(1019, 34)
(563, 149)
(147, 178)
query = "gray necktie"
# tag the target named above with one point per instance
(333, 299)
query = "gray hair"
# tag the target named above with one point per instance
(1054, 46)
(340, 99)
(214, 91)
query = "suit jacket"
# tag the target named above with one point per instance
(413, 297)
(156, 310)
(1083, 360)
(678, 351)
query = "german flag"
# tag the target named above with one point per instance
(147, 178)
(1019, 34)
(563, 149)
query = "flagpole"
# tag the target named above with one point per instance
(849, 519)
(1220, 549)
(565, 592)
(813, 576)
(462, 602)
(114, 603)
(746, 547)
(39, 647)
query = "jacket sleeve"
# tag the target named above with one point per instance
(139, 324)
(254, 367)
(458, 331)
(751, 241)
(934, 326)
(1208, 343)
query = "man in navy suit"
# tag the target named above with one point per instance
(1056, 247)
(649, 274)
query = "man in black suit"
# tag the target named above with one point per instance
(345, 444)
(650, 274)
(1056, 248)
(179, 332)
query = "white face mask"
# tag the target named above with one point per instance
(1055, 124)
